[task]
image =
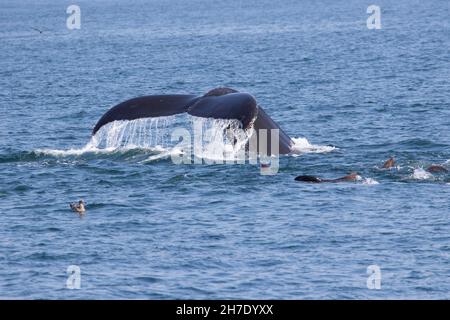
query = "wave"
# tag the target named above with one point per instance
(122, 137)
(89, 149)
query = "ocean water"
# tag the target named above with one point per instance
(351, 97)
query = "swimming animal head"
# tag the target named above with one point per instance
(389, 163)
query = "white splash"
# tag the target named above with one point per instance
(369, 181)
(216, 140)
(163, 154)
(421, 174)
(219, 140)
(302, 145)
(88, 148)
(152, 134)
(212, 140)
(140, 133)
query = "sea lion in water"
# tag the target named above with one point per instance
(351, 177)
(389, 163)
(436, 168)
(312, 179)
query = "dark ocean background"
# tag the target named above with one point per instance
(156, 230)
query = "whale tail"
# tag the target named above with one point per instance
(219, 103)
(146, 107)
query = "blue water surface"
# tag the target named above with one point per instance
(156, 230)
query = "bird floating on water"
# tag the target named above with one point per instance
(38, 30)
(78, 207)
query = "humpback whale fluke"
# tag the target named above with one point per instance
(218, 103)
